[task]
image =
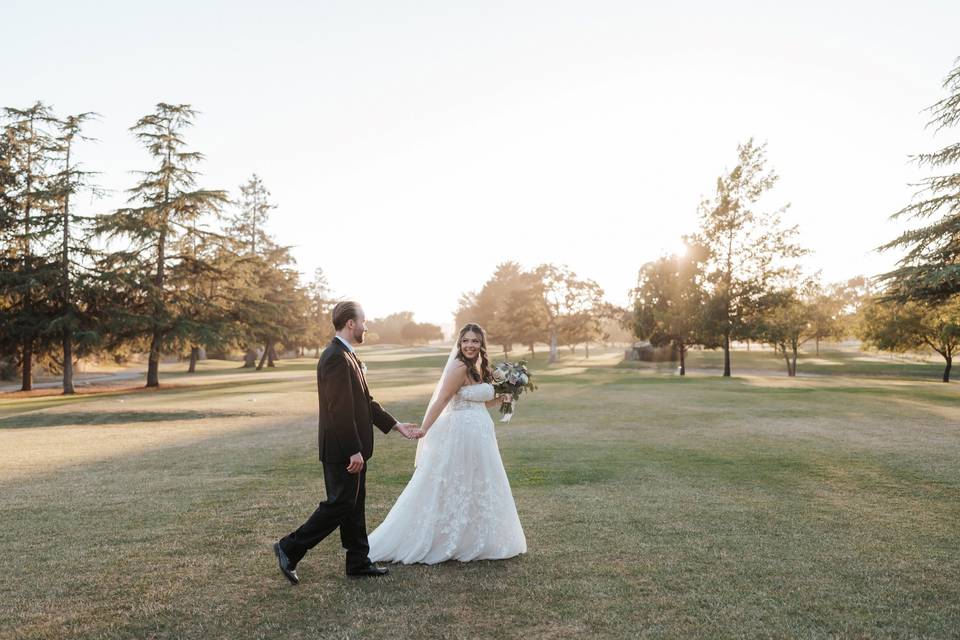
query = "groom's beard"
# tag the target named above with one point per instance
(358, 336)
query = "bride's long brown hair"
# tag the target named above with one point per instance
(485, 374)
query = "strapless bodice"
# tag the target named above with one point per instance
(471, 396)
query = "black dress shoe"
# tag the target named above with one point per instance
(369, 571)
(289, 571)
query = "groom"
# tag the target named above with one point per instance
(347, 416)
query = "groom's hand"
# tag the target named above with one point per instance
(407, 430)
(356, 463)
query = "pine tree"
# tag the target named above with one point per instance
(169, 210)
(275, 309)
(280, 311)
(321, 302)
(248, 224)
(930, 270)
(27, 222)
(210, 293)
(74, 254)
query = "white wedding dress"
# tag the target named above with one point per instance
(458, 504)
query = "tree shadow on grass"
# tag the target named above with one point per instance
(108, 417)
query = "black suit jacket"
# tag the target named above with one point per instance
(347, 412)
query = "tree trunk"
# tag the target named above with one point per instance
(249, 359)
(272, 355)
(748, 344)
(786, 359)
(67, 303)
(27, 368)
(793, 365)
(818, 345)
(553, 346)
(263, 358)
(194, 356)
(159, 279)
(153, 363)
(946, 370)
(726, 355)
(586, 349)
(683, 360)
(532, 352)
(68, 363)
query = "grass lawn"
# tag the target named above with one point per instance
(833, 360)
(654, 506)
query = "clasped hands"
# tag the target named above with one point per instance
(409, 430)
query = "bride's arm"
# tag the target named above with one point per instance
(451, 384)
(497, 400)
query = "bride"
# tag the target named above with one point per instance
(458, 504)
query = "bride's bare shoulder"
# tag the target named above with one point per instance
(457, 372)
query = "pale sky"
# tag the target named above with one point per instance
(413, 146)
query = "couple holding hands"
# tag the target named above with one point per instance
(457, 505)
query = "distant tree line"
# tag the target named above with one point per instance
(400, 328)
(740, 279)
(181, 268)
(549, 304)
(184, 268)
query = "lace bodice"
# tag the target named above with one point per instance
(472, 396)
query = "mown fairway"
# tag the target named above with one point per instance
(654, 506)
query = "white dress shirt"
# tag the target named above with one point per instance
(345, 343)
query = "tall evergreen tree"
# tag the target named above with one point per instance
(248, 225)
(275, 308)
(930, 270)
(28, 216)
(211, 294)
(74, 254)
(281, 314)
(168, 206)
(321, 302)
(8, 252)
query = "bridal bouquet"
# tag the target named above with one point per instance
(511, 378)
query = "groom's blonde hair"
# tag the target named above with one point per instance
(344, 311)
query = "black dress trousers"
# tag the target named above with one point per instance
(343, 508)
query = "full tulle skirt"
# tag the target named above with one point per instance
(458, 504)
